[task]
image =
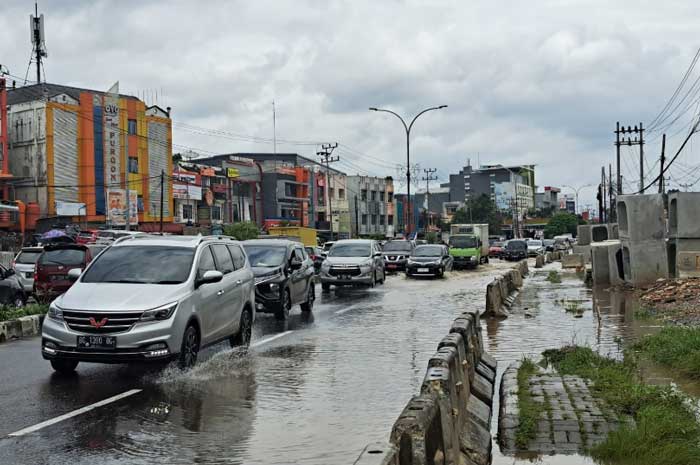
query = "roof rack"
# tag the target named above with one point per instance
(219, 237)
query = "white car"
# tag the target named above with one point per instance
(535, 247)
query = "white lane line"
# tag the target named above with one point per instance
(270, 339)
(347, 309)
(74, 413)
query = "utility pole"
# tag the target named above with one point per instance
(603, 183)
(162, 189)
(611, 218)
(429, 176)
(325, 154)
(638, 139)
(357, 218)
(663, 160)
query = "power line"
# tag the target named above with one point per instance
(676, 92)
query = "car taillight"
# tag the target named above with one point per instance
(12, 264)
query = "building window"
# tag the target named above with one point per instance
(389, 197)
(322, 216)
(364, 219)
(290, 190)
(132, 127)
(321, 196)
(374, 220)
(390, 219)
(341, 194)
(363, 194)
(187, 212)
(331, 192)
(216, 213)
(373, 196)
(381, 196)
(381, 220)
(133, 165)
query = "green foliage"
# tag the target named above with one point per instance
(666, 431)
(675, 346)
(529, 410)
(561, 223)
(12, 313)
(553, 277)
(242, 231)
(480, 209)
(432, 238)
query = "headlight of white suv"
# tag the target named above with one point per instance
(366, 264)
(55, 312)
(160, 313)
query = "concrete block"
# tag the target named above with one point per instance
(600, 263)
(483, 389)
(644, 262)
(683, 258)
(615, 263)
(641, 217)
(583, 234)
(584, 250)
(684, 215)
(31, 326)
(476, 443)
(418, 431)
(600, 232)
(539, 261)
(572, 260)
(439, 383)
(614, 231)
(378, 453)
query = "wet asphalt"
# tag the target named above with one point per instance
(325, 387)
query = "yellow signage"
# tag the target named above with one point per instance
(232, 173)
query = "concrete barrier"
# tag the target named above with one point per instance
(641, 217)
(584, 250)
(27, 326)
(683, 214)
(502, 291)
(606, 261)
(448, 422)
(539, 261)
(572, 260)
(644, 262)
(583, 234)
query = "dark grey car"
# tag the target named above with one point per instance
(429, 260)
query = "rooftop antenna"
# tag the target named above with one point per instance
(36, 27)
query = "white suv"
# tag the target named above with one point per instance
(152, 298)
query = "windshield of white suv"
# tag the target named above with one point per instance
(350, 250)
(397, 246)
(142, 264)
(265, 256)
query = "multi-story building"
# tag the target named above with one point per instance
(294, 191)
(548, 200)
(75, 151)
(372, 206)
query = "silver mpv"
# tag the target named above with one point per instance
(152, 299)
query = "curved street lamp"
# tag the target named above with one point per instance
(408, 155)
(576, 191)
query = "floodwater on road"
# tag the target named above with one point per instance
(313, 390)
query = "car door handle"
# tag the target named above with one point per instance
(221, 292)
(238, 283)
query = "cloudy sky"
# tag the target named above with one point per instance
(525, 84)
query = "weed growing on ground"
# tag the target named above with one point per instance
(674, 346)
(12, 313)
(529, 410)
(666, 432)
(553, 277)
(571, 307)
(644, 313)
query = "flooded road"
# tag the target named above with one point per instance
(315, 390)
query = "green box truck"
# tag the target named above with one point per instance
(469, 244)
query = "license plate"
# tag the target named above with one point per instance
(423, 270)
(344, 276)
(58, 277)
(97, 342)
(391, 266)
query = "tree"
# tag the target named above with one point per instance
(242, 231)
(480, 210)
(561, 223)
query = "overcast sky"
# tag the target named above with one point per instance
(525, 84)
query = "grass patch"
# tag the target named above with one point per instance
(677, 347)
(571, 307)
(553, 277)
(666, 432)
(12, 313)
(645, 313)
(529, 410)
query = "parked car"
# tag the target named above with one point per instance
(548, 245)
(326, 247)
(95, 249)
(496, 249)
(284, 276)
(316, 255)
(107, 236)
(429, 260)
(534, 248)
(12, 291)
(152, 299)
(396, 254)
(24, 265)
(55, 262)
(515, 249)
(353, 262)
(562, 244)
(88, 236)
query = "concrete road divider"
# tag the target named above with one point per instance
(539, 261)
(501, 292)
(573, 260)
(448, 422)
(25, 326)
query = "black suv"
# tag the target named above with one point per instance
(396, 254)
(515, 249)
(284, 276)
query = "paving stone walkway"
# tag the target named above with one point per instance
(572, 420)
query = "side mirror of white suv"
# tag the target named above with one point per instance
(211, 276)
(74, 274)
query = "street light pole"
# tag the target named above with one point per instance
(408, 155)
(576, 191)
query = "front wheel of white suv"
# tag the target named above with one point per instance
(189, 348)
(245, 331)
(64, 367)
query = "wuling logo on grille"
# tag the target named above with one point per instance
(98, 324)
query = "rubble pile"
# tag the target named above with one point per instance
(672, 290)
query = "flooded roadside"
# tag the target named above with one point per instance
(605, 320)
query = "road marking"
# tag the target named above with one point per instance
(74, 413)
(351, 307)
(270, 339)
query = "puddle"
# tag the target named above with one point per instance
(604, 320)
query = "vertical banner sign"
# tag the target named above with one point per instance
(111, 137)
(117, 208)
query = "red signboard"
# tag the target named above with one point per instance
(219, 188)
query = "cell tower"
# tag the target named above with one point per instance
(36, 28)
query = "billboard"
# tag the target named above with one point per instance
(70, 208)
(116, 201)
(187, 191)
(112, 174)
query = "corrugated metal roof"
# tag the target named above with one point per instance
(38, 91)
